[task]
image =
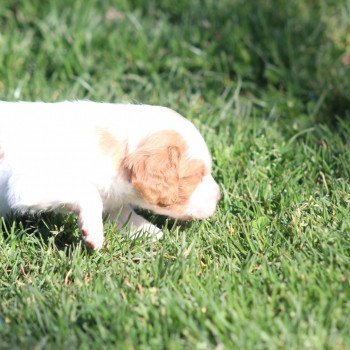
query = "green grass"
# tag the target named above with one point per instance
(267, 83)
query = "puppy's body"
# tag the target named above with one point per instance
(92, 158)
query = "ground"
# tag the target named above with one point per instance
(267, 83)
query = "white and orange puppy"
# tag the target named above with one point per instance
(95, 158)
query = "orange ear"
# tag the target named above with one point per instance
(154, 168)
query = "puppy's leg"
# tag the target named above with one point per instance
(90, 219)
(137, 225)
(29, 195)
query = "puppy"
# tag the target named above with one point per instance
(99, 158)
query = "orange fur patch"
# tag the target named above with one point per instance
(111, 146)
(161, 172)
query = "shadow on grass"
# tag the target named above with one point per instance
(45, 226)
(63, 228)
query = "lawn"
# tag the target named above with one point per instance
(268, 85)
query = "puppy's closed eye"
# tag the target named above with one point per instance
(192, 172)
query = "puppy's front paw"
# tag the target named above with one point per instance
(93, 241)
(137, 225)
(147, 230)
(92, 233)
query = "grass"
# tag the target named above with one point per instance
(267, 83)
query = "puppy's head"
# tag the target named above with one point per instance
(170, 179)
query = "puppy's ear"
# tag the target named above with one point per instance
(153, 168)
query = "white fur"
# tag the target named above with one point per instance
(50, 159)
